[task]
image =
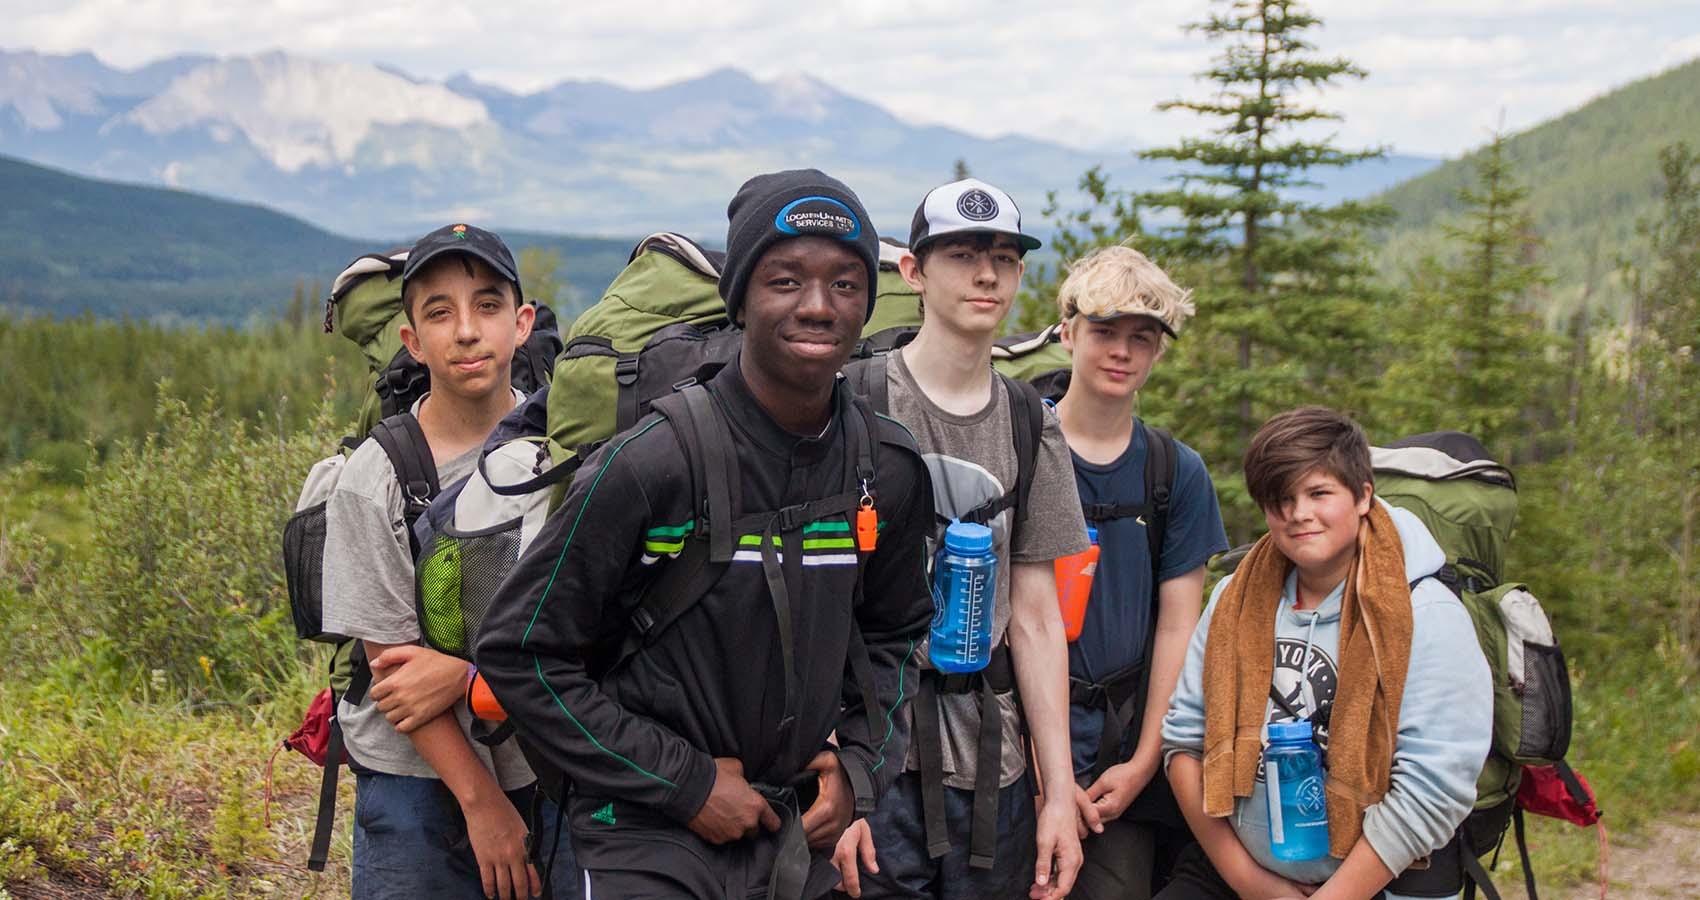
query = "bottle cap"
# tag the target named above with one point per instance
(1289, 731)
(967, 538)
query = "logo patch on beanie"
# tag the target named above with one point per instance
(818, 215)
(976, 205)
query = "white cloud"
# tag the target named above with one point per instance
(1086, 73)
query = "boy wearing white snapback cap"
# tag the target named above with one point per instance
(960, 821)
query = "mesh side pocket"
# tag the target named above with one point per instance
(304, 572)
(1546, 704)
(458, 580)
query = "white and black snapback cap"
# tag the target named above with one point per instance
(966, 207)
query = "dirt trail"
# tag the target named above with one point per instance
(1662, 861)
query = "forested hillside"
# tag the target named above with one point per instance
(1591, 175)
(77, 245)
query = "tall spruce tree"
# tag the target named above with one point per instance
(1665, 376)
(1467, 347)
(1285, 300)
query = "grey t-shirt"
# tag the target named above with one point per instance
(369, 595)
(971, 460)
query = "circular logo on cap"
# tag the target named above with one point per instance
(824, 216)
(976, 205)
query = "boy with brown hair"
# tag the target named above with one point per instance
(436, 813)
(1332, 618)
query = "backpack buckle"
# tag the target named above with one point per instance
(790, 518)
(626, 370)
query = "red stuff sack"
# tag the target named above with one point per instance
(313, 738)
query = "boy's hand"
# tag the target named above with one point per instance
(734, 810)
(498, 842)
(1116, 789)
(1257, 883)
(1087, 819)
(856, 845)
(413, 685)
(830, 814)
(1059, 851)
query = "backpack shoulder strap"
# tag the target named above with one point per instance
(1160, 456)
(404, 443)
(868, 378)
(1027, 421)
(714, 479)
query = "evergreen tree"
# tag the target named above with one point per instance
(959, 170)
(1283, 289)
(1468, 350)
(1665, 396)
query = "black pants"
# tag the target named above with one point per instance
(1196, 878)
(1118, 862)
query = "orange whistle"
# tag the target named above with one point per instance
(867, 526)
(484, 704)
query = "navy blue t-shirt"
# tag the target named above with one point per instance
(1120, 609)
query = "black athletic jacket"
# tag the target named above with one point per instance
(644, 733)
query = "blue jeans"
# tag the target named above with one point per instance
(410, 841)
(900, 845)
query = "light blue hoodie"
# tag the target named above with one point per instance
(1445, 719)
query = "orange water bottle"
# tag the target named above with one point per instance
(1074, 585)
(482, 701)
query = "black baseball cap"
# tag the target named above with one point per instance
(468, 239)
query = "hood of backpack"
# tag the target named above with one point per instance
(366, 303)
(1468, 505)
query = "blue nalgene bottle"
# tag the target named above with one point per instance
(1298, 808)
(965, 579)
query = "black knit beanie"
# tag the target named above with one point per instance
(779, 206)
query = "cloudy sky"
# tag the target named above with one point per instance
(1443, 73)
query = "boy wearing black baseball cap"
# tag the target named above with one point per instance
(437, 814)
(960, 821)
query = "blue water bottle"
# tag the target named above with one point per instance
(1298, 808)
(964, 591)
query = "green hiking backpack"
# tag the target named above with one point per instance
(1469, 503)
(661, 326)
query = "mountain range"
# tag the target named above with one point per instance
(368, 150)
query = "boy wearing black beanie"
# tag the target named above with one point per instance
(700, 750)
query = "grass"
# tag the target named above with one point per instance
(119, 796)
(1637, 741)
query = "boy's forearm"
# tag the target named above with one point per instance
(1040, 654)
(445, 749)
(1361, 875)
(1179, 600)
(1215, 836)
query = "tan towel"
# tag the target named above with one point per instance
(1374, 652)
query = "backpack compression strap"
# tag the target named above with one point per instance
(360, 679)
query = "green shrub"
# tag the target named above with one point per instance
(181, 592)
